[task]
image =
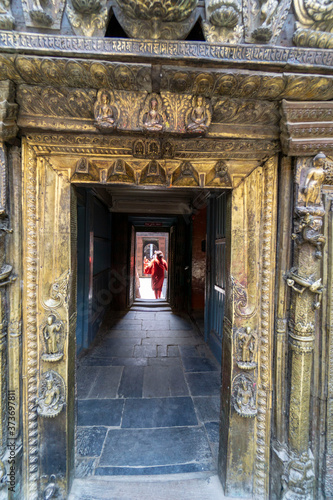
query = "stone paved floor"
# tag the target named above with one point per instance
(148, 399)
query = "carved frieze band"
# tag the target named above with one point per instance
(168, 50)
(264, 403)
(30, 319)
(306, 128)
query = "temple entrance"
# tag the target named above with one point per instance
(110, 198)
(148, 384)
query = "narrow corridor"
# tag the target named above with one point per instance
(148, 398)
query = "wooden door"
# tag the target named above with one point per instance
(216, 276)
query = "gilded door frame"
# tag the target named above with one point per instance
(50, 164)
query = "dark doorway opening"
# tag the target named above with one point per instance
(147, 374)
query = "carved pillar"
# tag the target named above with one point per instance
(304, 278)
(8, 130)
(49, 322)
(248, 335)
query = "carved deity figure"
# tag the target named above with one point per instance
(153, 120)
(244, 402)
(314, 179)
(51, 394)
(199, 116)
(309, 230)
(105, 113)
(245, 339)
(51, 334)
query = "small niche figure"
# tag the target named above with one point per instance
(51, 331)
(156, 268)
(105, 113)
(152, 120)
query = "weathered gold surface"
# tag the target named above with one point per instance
(88, 17)
(48, 262)
(306, 128)
(249, 313)
(305, 280)
(281, 322)
(168, 20)
(315, 23)
(6, 19)
(15, 297)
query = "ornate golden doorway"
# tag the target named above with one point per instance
(51, 164)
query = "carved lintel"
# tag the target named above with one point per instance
(306, 127)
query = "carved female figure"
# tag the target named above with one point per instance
(152, 120)
(105, 113)
(199, 117)
(51, 331)
(314, 180)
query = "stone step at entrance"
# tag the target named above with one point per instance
(146, 305)
(198, 486)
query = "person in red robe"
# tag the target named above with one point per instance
(156, 268)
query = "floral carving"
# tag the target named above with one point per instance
(6, 19)
(264, 20)
(315, 23)
(58, 292)
(154, 19)
(88, 17)
(44, 13)
(223, 23)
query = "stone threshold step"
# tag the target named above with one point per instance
(189, 486)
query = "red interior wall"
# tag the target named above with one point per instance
(198, 260)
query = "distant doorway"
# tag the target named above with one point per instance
(146, 244)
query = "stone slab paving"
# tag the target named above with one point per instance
(148, 400)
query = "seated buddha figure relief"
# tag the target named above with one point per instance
(152, 119)
(104, 111)
(199, 116)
